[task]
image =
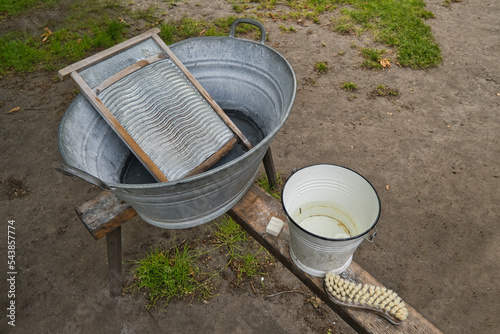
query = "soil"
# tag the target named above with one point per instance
(431, 151)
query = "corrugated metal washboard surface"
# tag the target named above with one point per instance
(167, 117)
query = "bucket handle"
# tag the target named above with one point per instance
(72, 171)
(372, 236)
(252, 22)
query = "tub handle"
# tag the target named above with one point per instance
(252, 22)
(372, 236)
(72, 171)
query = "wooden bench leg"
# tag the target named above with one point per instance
(114, 245)
(269, 167)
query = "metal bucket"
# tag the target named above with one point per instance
(330, 209)
(244, 76)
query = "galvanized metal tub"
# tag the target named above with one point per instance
(240, 75)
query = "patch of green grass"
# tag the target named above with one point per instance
(147, 14)
(447, 3)
(171, 3)
(372, 54)
(248, 265)
(287, 30)
(372, 57)
(384, 91)
(398, 23)
(321, 67)
(266, 4)
(242, 260)
(299, 9)
(15, 7)
(87, 28)
(349, 86)
(20, 52)
(230, 234)
(165, 275)
(343, 25)
(263, 181)
(187, 28)
(238, 8)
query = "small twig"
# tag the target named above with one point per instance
(282, 292)
(156, 322)
(326, 24)
(365, 118)
(179, 245)
(236, 284)
(491, 79)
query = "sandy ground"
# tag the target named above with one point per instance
(432, 153)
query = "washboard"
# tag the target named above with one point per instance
(149, 98)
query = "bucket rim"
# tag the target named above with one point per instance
(289, 217)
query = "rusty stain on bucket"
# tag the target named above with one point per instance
(325, 219)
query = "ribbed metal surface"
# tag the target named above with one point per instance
(167, 117)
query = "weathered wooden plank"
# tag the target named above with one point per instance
(253, 213)
(104, 214)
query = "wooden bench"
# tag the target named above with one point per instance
(104, 215)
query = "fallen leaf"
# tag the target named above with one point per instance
(46, 34)
(13, 110)
(315, 301)
(301, 22)
(385, 62)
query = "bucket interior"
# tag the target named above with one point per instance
(331, 202)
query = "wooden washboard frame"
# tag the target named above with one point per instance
(91, 94)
